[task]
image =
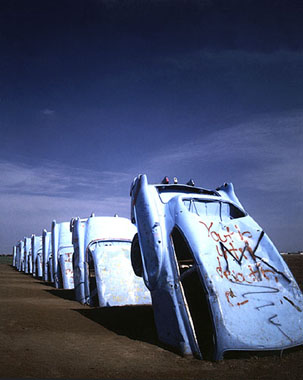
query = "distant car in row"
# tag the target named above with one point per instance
(103, 274)
(91, 256)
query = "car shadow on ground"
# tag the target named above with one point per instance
(67, 294)
(135, 322)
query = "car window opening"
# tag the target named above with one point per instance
(108, 243)
(185, 189)
(195, 295)
(205, 208)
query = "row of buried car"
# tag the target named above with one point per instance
(215, 280)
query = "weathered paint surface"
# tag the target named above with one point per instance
(77, 227)
(47, 256)
(17, 260)
(104, 243)
(17, 256)
(20, 256)
(14, 256)
(116, 283)
(185, 234)
(28, 254)
(62, 255)
(37, 256)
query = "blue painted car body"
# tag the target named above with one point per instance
(217, 281)
(77, 228)
(28, 255)
(37, 260)
(20, 256)
(62, 255)
(106, 278)
(17, 259)
(14, 260)
(47, 256)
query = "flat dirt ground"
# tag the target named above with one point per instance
(45, 334)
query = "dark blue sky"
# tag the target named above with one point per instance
(94, 92)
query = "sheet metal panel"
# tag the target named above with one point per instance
(77, 227)
(253, 300)
(36, 256)
(47, 255)
(62, 251)
(104, 243)
(14, 256)
(20, 256)
(28, 255)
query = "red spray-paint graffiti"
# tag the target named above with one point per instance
(227, 249)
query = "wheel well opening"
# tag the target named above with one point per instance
(195, 294)
(93, 291)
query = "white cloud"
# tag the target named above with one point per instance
(264, 153)
(47, 112)
(267, 149)
(56, 179)
(31, 197)
(25, 214)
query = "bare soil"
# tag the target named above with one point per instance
(44, 333)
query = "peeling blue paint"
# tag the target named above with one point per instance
(20, 256)
(103, 272)
(14, 256)
(37, 256)
(62, 255)
(47, 256)
(28, 255)
(77, 227)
